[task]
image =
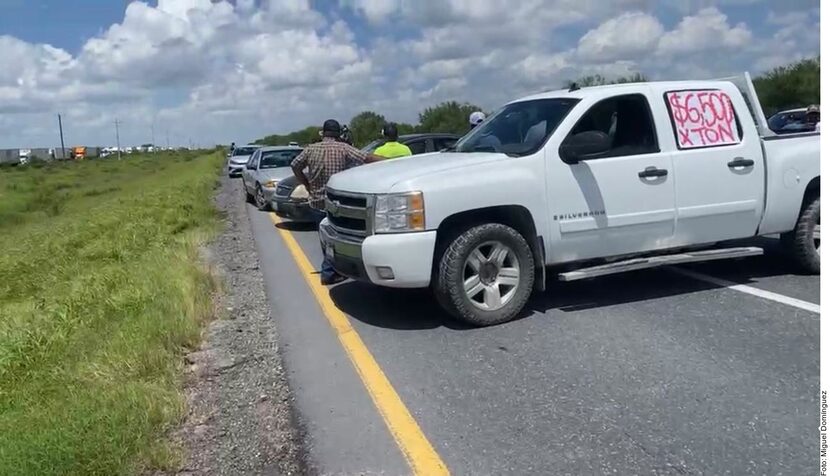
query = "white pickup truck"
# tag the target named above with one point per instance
(592, 181)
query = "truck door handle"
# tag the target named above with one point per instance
(740, 162)
(653, 172)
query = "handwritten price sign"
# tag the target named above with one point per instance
(703, 118)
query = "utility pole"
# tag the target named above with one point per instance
(63, 147)
(167, 137)
(153, 135)
(117, 139)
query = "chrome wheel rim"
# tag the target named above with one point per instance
(491, 276)
(260, 198)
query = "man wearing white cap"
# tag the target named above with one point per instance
(812, 117)
(476, 118)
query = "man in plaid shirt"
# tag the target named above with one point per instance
(324, 159)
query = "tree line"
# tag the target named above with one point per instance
(785, 87)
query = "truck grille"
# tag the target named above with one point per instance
(348, 199)
(348, 212)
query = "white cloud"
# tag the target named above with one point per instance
(376, 10)
(216, 70)
(628, 36)
(709, 29)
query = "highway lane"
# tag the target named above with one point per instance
(649, 372)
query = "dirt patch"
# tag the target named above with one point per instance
(240, 410)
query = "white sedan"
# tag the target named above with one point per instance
(266, 167)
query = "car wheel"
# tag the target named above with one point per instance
(259, 198)
(485, 275)
(804, 242)
(248, 197)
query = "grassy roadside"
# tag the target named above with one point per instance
(101, 290)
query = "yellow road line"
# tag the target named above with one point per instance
(419, 453)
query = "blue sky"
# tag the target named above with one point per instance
(214, 71)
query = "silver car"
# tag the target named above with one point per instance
(266, 167)
(239, 157)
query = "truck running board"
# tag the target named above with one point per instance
(662, 260)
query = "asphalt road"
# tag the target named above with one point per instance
(650, 372)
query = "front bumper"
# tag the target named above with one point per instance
(407, 255)
(294, 210)
(234, 169)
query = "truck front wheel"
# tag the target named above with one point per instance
(485, 275)
(804, 242)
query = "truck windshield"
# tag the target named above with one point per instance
(517, 129)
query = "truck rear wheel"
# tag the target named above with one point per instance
(804, 242)
(485, 275)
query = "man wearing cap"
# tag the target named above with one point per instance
(324, 159)
(392, 149)
(813, 117)
(476, 118)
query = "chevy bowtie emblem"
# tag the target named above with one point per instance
(335, 206)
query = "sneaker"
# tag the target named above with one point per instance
(337, 278)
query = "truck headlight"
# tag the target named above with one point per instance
(271, 183)
(399, 212)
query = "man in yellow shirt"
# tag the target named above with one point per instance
(392, 149)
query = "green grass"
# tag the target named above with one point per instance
(101, 292)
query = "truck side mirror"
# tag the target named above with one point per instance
(584, 146)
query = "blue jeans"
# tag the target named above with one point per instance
(327, 271)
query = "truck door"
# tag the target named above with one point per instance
(719, 164)
(618, 202)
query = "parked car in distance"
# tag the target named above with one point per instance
(792, 121)
(239, 158)
(581, 183)
(291, 199)
(264, 170)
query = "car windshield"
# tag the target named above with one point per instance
(244, 150)
(787, 120)
(519, 128)
(277, 158)
(371, 146)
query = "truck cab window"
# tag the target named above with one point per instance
(628, 122)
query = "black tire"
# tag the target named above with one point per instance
(248, 197)
(259, 199)
(450, 274)
(800, 242)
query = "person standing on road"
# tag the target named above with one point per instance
(392, 149)
(324, 159)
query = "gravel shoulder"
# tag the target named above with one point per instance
(241, 417)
